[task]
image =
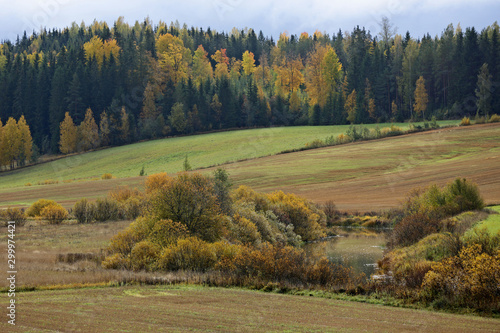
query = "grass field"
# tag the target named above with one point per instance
(371, 175)
(168, 154)
(492, 223)
(201, 309)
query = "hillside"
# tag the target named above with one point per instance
(359, 176)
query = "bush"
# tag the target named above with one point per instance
(189, 199)
(317, 143)
(480, 120)
(465, 121)
(494, 118)
(106, 209)
(245, 231)
(144, 255)
(13, 214)
(107, 176)
(156, 182)
(343, 138)
(188, 254)
(469, 279)
(54, 213)
(84, 211)
(36, 208)
(307, 219)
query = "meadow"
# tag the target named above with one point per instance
(168, 154)
(362, 176)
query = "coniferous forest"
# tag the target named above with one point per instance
(87, 86)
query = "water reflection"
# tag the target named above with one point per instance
(360, 249)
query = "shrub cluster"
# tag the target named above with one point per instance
(54, 213)
(121, 203)
(424, 210)
(469, 279)
(253, 240)
(13, 214)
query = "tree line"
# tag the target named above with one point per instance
(146, 81)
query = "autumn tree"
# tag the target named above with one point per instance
(124, 126)
(248, 63)
(351, 107)
(323, 71)
(222, 63)
(10, 142)
(100, 51)
(69, 135)
(201, 68)
(483, 91)
(421, 97)
(289, 75)
(262, 73)
(88, 132)
(104, 129)
(25, 145)
(173, 57)
(15, 143)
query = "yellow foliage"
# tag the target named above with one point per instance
(156, 182)
(54, 213)
(471, 278)
(36, 208)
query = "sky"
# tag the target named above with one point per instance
(419, 17)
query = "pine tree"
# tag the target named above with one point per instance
(483, 92)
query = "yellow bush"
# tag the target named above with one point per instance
(123, 193)
(166, 232)
(494, 118)
(469, 279)
(107, 176)
(156, 182)
(144, 255)
(245, 231)
(115, 261)
(36, 208)
(343, 138)
(188, 254)
(465, 121)
(307, 219)
(54, 213)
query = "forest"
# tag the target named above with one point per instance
(126, 83)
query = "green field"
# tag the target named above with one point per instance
(167, 155)
(492, 223)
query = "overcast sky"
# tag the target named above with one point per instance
(272, 17)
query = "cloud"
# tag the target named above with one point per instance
(272, 17)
